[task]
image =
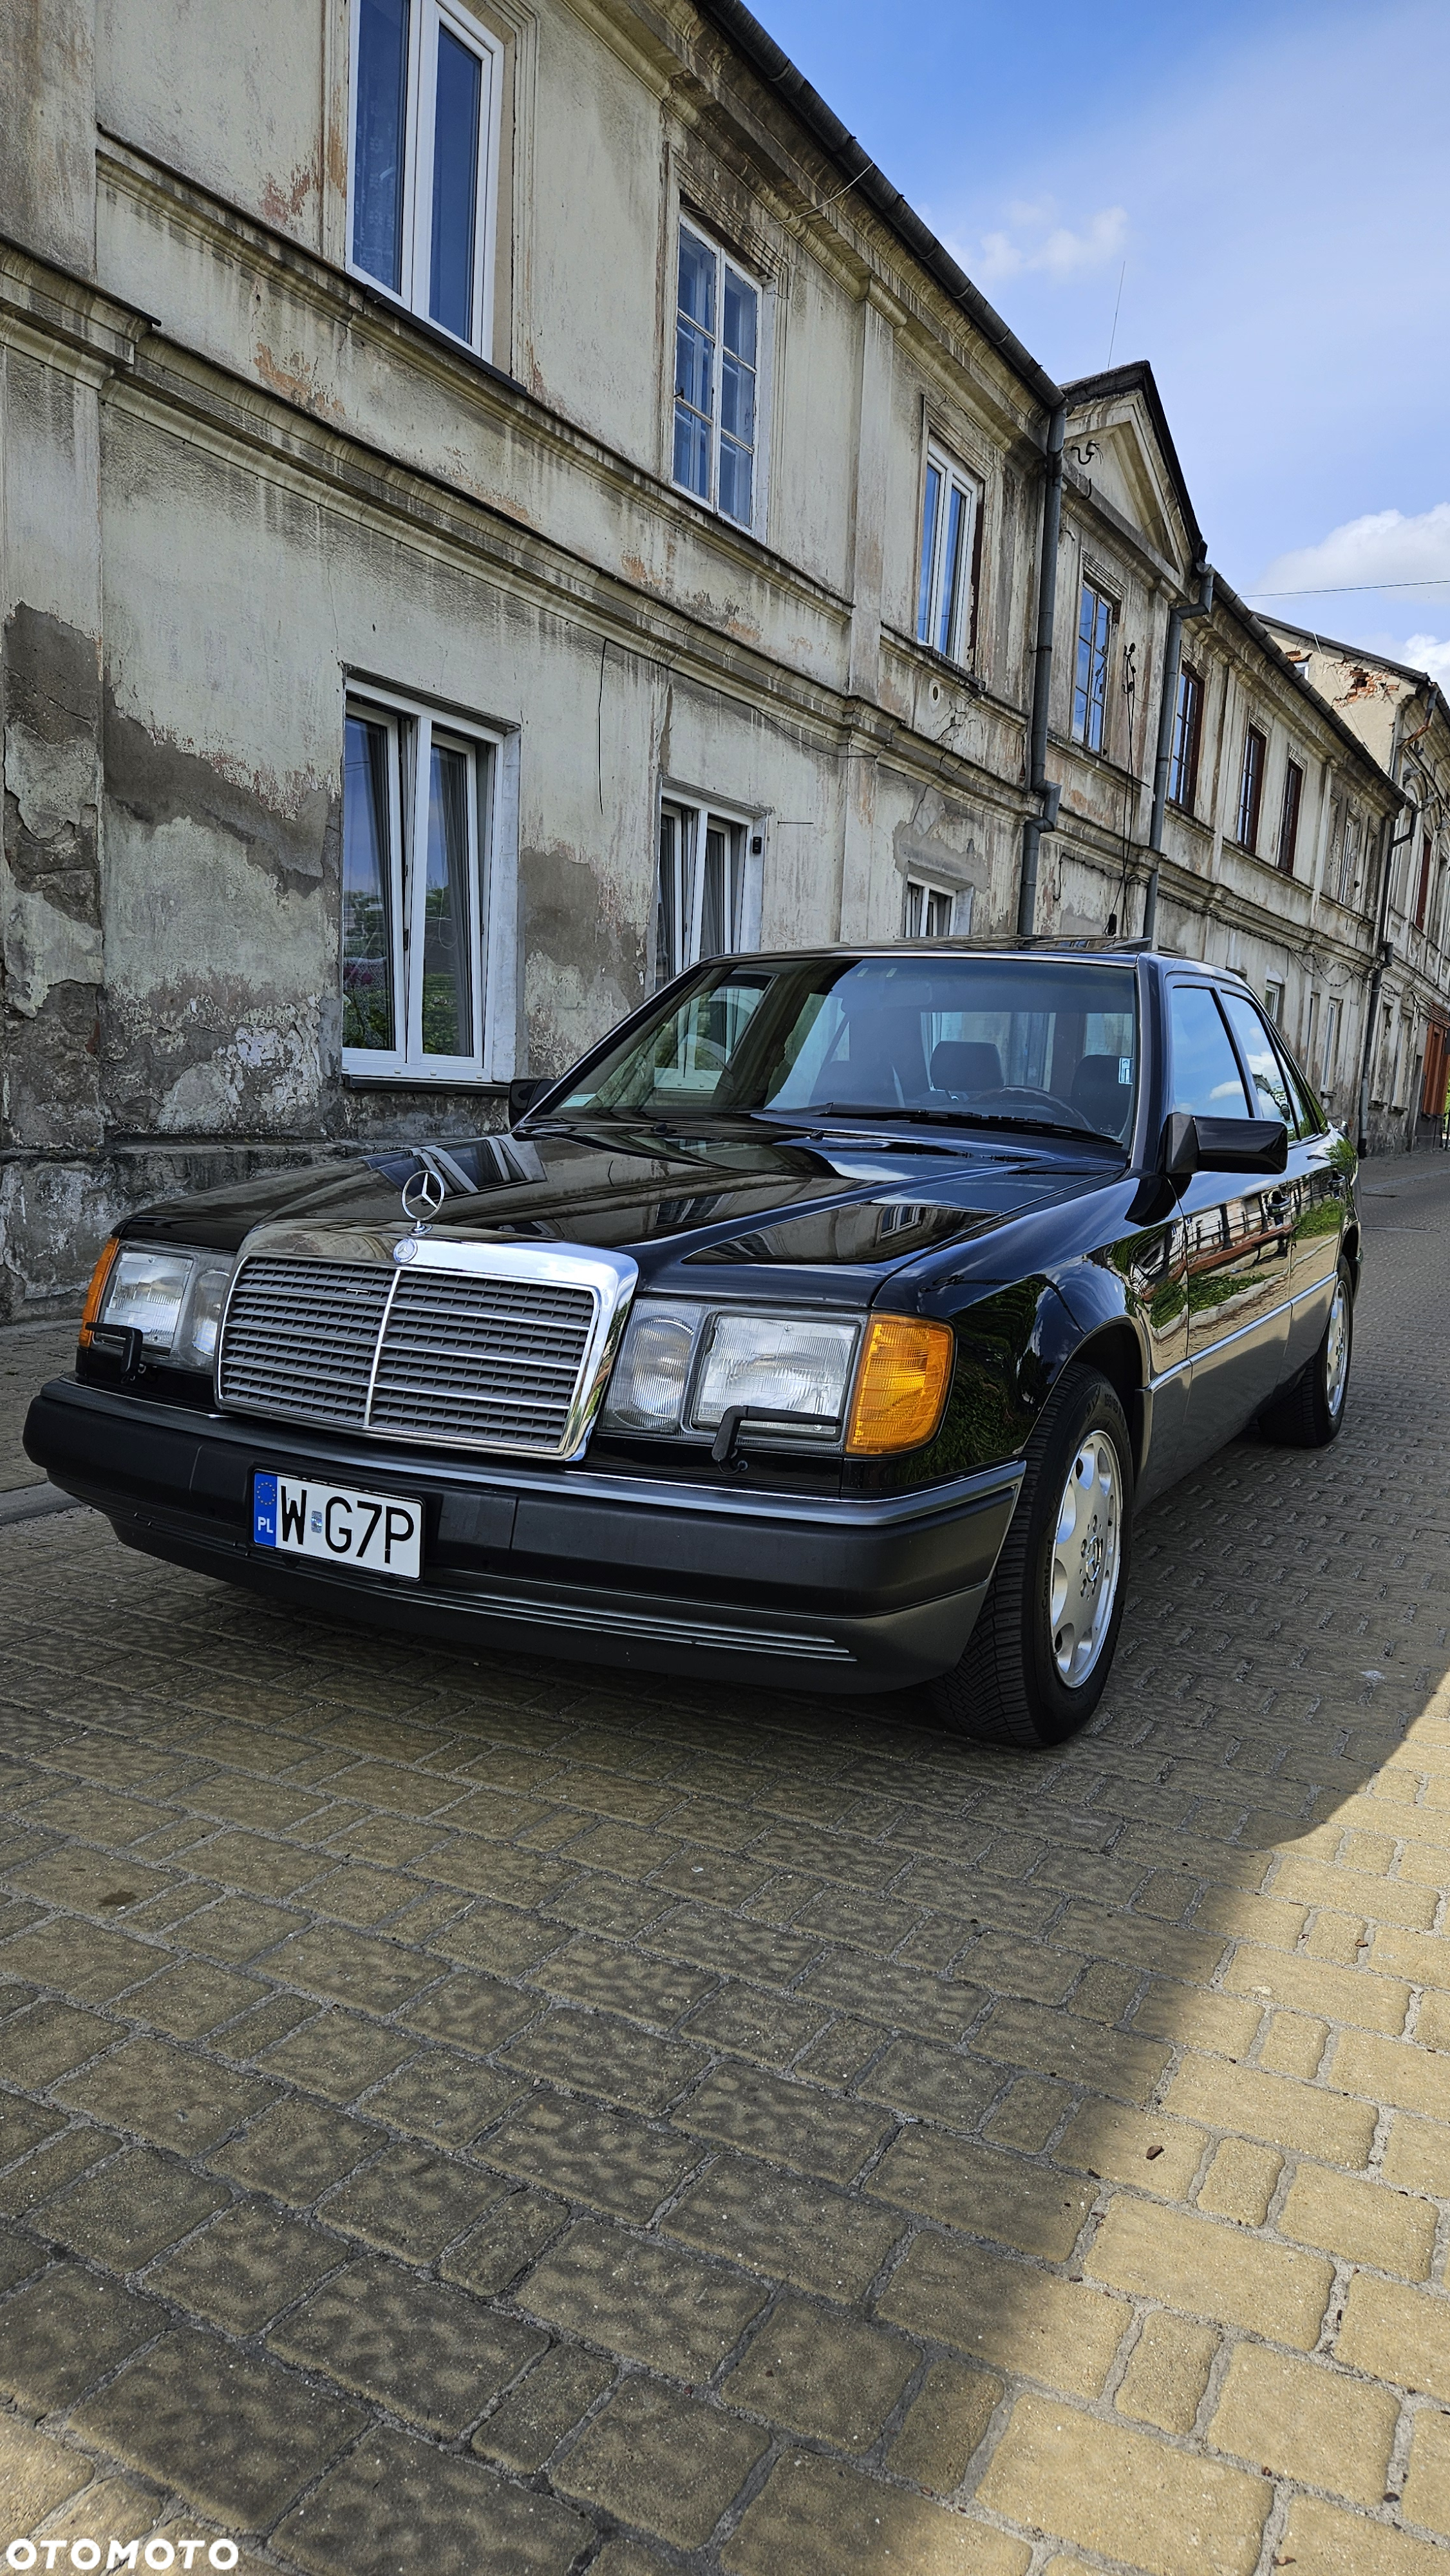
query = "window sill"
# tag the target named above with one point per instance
(413, 1079)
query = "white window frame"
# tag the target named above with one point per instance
(1274, 1002)
(922, 895)
(931, 576)
(688, 222)
(411, 295)
(411, 727)
(695, 815)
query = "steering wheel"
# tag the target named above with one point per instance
(1037, 1104)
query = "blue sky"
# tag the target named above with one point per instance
(1267, 184)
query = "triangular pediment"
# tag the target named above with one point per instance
(1117, 440)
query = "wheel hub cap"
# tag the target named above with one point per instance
(1336, 1351)
(1086, 1559)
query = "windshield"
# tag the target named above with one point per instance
(1020, 1041)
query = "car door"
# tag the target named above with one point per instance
(1239, 1239)
(1305, 1198)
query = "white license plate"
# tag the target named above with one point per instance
(381, 1532)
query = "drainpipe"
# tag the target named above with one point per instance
(1037, 780)
(1383, 945)
(1172, 653)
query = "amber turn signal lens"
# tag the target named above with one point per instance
(901, 1385)
(97, 1288)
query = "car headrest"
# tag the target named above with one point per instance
(1097, 1092)
(961, 1064)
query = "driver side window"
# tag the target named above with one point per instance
(1261, 1056)
(1206, 1082)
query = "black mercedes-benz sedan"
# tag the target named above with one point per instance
(824, 1326)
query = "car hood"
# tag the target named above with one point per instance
(790, 1214)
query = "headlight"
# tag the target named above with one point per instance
(173, 1299)
(872, 1388)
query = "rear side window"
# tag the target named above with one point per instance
(1271, 1084)
(1205, 1079)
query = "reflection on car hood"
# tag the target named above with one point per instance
(731, 1197)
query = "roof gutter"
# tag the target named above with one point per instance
(1037, 779)
(1167, 709)
(865, 180)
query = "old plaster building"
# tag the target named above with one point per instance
(501, 498)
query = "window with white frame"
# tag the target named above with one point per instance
(937, 912)
(417, 817)
(707, 898)
(1274, 1001)
(717, 378)
(426, 88)
(948, 543)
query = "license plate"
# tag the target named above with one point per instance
(381, 1532)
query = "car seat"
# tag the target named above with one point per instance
(1099, 1096)
(961, 1064)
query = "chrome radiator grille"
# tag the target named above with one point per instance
(433, 1354)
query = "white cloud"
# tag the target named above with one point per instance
(1036, 241)
(1383, 546)
(1427, 653)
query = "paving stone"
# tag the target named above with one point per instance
(651, 2303)
(606, 2158)
(444, 2096)
(530, 2423)
(248, 2265)
(1426, 2495)
(1306, 2117)
(983, 2191)
(297, 2150)
(353, 1967)
(513, 2235)
(744, 2107)
(410, 2202)
(1323, 2540)
(1241, 2182)
(1106, 2488)
(1396, 2334)
(339, 2054)
(84, 1881)
(170, 2095)
(821, 2372)
(657, 2460)
(1351, 1995)
(1211, 2270)
(595, 2054)
(1315, 2425)
(237, 2436)
(1363, 2222)
(1143, 2148)
(428, 2352)
(1414, 2156)
(817, 2519)
(22, 2126)
(1007, 2314)
(189, 2000)
(123, 2213)
(365, 2518)
(67, 2331)
(793, 2230)
(943, 2425)
(50, 2038)
(496, 1938)
(1167, 2372)
(238, 1929)
(50, 2166)
(751, 2023)
(36, 2475)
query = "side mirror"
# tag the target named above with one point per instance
(1223, 1145)
(523, 1092)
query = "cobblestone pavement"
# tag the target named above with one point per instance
(488, 2116)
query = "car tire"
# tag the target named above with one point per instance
(1310, 1413)
(1035, 1666)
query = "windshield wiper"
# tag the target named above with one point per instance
(970, 1118)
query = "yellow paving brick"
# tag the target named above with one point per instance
(1425, 1864)
(1252, 1918)
(1118, 2145)
(1241, 2181)
(1393, 2072)
(1432, 2022)
(1210, 2270)
(1057, 2043)
(1339, 1938)
(1124, 2494)
(1362, 2222)
(1421, 1957)
(1272, 2107)
(1224, 2024)
(1417, 2157)
(1397, 2334)
(1311, 1986)
(1324, 2540)
(1167, 2372)
(1308, 2422)
(1315, 1882)
(1006, 2313)
(1293, 2044)
(1427, 2487)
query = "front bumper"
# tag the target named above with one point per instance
(821, 1593)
